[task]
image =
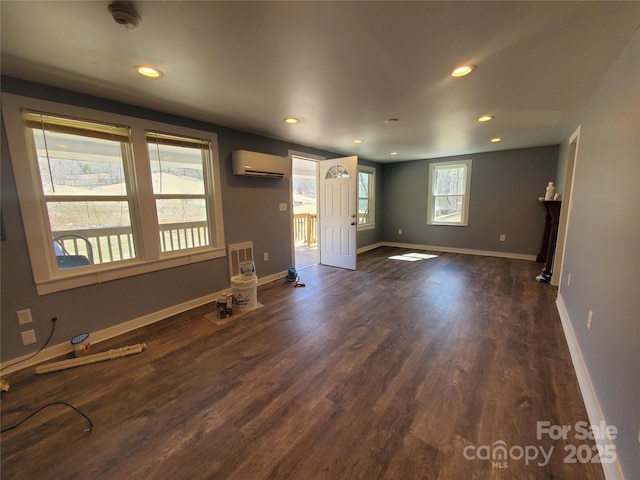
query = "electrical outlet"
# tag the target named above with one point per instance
(399, 231)
(266, 256)
(589, 320)
(28, 337)
(503, 237)
(282, 207)
(24, 316)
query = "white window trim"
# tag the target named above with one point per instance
(372, 199)
(48, 278)
(430, 199)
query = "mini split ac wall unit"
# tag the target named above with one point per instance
(254, 164)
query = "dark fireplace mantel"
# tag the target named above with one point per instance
(549, 237)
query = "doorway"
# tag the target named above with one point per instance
(566, 207)
(305, 211)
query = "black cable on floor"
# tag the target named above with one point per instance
(53, 327)
(50, 405)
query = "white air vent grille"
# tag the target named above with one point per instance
(239, 252)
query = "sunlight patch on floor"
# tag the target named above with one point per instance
(413, 257)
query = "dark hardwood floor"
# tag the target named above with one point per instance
(399, 370)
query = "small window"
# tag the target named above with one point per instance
(449, 189)
(366, 198)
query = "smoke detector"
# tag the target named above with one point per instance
(125, 15)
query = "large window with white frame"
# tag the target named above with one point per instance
(105, 196)
(448, 193)
(179, 170)
(84, 170)
(366, 197)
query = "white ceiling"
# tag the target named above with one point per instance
(342, 68)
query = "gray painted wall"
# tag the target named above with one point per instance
(505, 187)
(603, 249)
(250, 213)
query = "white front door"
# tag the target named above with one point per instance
(338, 214)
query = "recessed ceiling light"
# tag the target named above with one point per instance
(148, 71)
(392, 120)
(463, 70)
(291, 120)
(357, 141)
(496, 140)
(485, 118)
(393, 153)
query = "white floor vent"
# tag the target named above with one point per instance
(239, 252)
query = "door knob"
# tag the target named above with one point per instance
(353, 223)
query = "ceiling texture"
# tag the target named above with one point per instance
(342, 68)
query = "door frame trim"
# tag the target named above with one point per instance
(312, 158)
(566, 207)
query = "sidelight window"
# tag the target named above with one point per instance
(366, 198)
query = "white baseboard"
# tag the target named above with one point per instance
(110, 332)
(466, 251)
(612, 471)
(369, 247)
(272, 278)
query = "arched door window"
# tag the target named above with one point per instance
(337, 171)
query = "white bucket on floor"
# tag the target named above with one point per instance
(245, 293)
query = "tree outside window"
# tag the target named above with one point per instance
(449, 189)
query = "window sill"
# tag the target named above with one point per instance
(369, 226)
(81, 277)
(442, 224)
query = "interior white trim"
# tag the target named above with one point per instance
(272, 278)
(466, 251)
(566, 207)
(305, 155)
(293, 155)
(371, 225)
(366, 248)
(612, 471)
(432, 168)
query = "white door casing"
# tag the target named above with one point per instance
(338, 214)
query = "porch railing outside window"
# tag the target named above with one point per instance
(305, 227)
(115, 244)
